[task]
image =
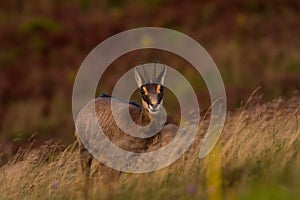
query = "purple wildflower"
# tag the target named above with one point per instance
(54, 185)
(191, 188)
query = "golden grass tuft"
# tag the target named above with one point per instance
(258, 155)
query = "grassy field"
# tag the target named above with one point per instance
(257, 157)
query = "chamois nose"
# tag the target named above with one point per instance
(154, 106)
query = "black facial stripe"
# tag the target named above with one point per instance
(160, 97)
(161, 94)
(145, 98)
(161, 88)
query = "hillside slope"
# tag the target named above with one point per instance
(257, 157)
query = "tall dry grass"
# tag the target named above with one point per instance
(257, 157)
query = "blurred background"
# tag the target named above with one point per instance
(254, 43)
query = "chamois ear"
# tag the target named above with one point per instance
(138, 77)
(161, 76)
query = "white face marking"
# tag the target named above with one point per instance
(154, 111)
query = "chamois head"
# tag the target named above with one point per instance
(152, 90)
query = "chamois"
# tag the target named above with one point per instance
(152, 93)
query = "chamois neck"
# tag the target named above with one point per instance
(145, 117)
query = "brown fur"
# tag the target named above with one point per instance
(152, 95)
(111, 130)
